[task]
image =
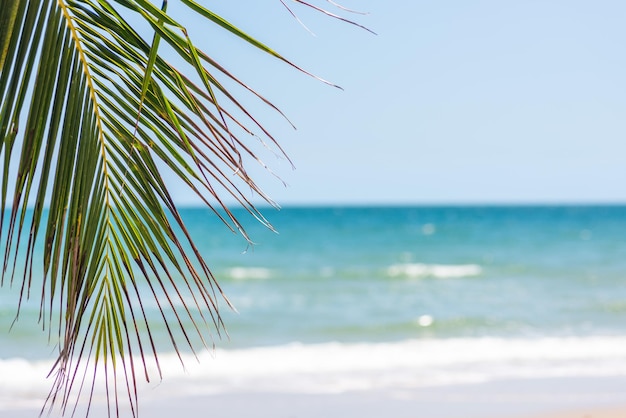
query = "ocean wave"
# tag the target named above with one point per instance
(439, 271)
(338, 367)
(249, 273)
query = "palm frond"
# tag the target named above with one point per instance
(91, 113)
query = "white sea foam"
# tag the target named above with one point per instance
(335, 367)
(249, 273)
(428, 229)
(425, 320)
(439, 271)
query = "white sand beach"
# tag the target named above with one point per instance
(536, 398)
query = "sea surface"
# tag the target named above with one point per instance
(358, 298)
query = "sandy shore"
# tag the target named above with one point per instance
(588, 413)
(543, 398)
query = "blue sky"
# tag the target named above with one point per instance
(452, 101)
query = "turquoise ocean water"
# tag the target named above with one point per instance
(350, 298)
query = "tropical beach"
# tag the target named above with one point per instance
(452, 311)
(451, 245)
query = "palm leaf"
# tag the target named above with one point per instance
(91, 113)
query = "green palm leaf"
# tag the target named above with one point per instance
(91, 113)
